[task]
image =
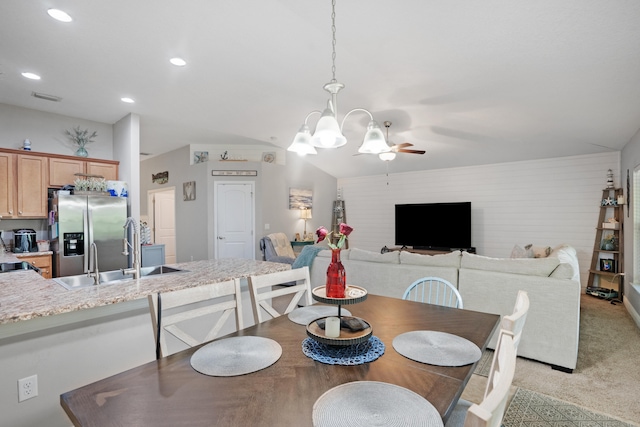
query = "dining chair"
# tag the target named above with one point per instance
(172, 308)
(434, 290)
(512, 325)
(262, 298)
(514, 322)
(490, 411)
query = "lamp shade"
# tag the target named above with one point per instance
(327, 134)
(374, 142)
(302, 142)
(305, 213)
(387, 156)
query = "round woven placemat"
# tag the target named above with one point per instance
(236, 356)
(372, 403)
(437, 348)
(306, 315)
(356, 354)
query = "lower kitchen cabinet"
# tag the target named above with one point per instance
(151, 255)
(41, 261)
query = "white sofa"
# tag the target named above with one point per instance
(488, 285)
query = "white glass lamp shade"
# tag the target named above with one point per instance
(327, 134)
(302, 142)
(374, 142)
(387, 156)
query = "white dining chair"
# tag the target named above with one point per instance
(514, 322)
(434, 290)
(490, 411)
(264, 288)
(170, 309)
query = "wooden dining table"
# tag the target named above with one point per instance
(169, 392)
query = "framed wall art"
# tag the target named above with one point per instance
(189, 191)
(300, 198)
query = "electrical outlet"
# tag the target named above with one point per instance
(27, 388)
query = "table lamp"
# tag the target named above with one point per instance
(305, 214)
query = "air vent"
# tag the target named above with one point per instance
(46, 97)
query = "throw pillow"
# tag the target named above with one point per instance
(518, 252)
(539, 251)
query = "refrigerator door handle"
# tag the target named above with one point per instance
(87, 243)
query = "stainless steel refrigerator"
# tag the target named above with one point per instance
(77, 222)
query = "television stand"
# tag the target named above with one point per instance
(426, 251)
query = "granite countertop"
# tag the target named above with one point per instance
(26, 295)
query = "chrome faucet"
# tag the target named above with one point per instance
(93, 271)
(135, 269)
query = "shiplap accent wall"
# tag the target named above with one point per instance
(543, 202)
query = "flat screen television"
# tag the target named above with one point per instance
(437, 226)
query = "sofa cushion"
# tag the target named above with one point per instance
(362, 255)
(567, 254)
(563, 271)
(527, 266)
(518, 252)
(442, 260)
(539, 251)
(326, 253)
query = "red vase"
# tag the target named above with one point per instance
(336, 277)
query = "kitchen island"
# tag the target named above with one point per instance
(69, 338)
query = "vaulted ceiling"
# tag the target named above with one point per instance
(470, 82)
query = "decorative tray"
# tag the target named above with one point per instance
(346, 337)
(353, 295)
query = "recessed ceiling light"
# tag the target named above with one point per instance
(31, 76)
(127, 100)
(59, 15)
(179, 62)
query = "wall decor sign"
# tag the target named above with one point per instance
(200, 156)
(234, 173)
(160, 177)
(300, 198)
(188, 191)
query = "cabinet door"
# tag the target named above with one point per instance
(32, 188)
(43, 262)
(7, 184)
(63, 171)
(108, 171)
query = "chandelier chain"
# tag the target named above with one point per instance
(333, 42)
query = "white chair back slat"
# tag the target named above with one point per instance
(262, 292)
(434, 290)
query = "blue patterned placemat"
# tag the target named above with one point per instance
(356, 354)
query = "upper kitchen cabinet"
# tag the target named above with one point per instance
(31, 186)
(63, 170)
(7, 185)
(108, 170)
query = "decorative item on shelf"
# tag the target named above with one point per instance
(608, 265)
(269, 157)
(611, 224)
(610, 243)
(610, 179)
(200, 156)
(609, 202)
(80, 138)
(620, 200)
(26, 145)
(118, 188)
(336, 276)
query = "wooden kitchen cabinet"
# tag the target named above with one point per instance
(31, 186)
(7, 184)
(43, 262)
(63, 171)
(107, 170)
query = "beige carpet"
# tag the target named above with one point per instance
(607, 378)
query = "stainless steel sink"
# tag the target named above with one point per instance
(112, 277)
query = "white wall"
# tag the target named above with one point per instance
(46, 132)
(544, 202)
(631, 160)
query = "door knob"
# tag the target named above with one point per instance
(221, 237)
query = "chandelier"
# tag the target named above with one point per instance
(328, 134)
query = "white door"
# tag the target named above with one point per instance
(162, 220)
(234, 213)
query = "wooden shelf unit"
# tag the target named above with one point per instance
(596, 275)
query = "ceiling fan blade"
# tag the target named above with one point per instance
(411, 151)
(404, 144)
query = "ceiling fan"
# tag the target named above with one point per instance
(395, 148)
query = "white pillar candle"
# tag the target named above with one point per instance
(332, 327)
(621, 200)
